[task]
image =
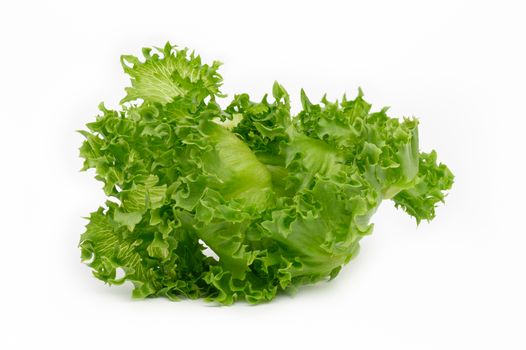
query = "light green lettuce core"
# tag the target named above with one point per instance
(242, 175)
(282, 200)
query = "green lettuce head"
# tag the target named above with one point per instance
(281, 200)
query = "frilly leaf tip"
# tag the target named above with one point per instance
(360, 92)
(102, 107)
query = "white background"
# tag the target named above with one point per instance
(455, 283)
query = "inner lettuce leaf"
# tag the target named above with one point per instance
(282, 200)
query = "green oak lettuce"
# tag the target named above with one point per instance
(281, 200)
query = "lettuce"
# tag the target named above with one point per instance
(281, 200)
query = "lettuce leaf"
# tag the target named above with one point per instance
(282, 200)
